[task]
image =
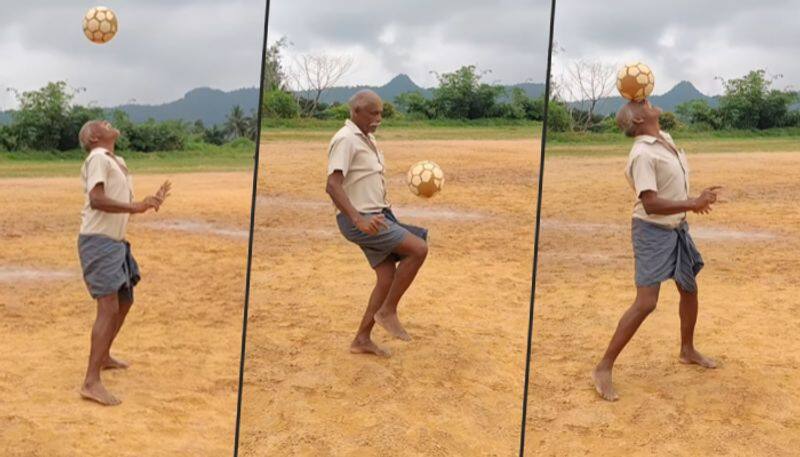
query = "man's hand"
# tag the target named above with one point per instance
(144, 205)
(163, 191)
(373, 225)
(702, 204)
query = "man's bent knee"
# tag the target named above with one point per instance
(646, 306)
(422, 250)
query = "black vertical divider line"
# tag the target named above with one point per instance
(250, 238)
(536, 236)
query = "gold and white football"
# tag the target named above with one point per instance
(100, 25)
(425, 179)
(635, 81)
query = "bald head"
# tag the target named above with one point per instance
(626, 117)
(366, 109)
(89, 134)
(97, 133)
(364, 99)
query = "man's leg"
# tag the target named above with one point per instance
(363, 343)
(688, 313)
(645, 303)
(415, 250)
(102, 334)
(110, 362)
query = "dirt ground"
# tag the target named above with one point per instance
(182, 336)
(455, 389)
(749, 317)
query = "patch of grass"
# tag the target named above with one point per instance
(197, 158)
(274, 130)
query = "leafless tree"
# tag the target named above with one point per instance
(586, 83)
(313, 74)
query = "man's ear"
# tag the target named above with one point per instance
(638, 119)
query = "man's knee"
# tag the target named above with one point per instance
(646, 305)
(109, 304)
(422, 250)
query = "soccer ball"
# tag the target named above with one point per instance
(100, 25)
(425, 179)
(635, 81)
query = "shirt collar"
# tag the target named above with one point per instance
(649, 139)
(352, 125)
(99, 150)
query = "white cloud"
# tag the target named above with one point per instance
(162, 49)
(686, 40)
(417, 37)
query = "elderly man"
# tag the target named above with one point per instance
(109, 269)
(659, 175)
(357, 186)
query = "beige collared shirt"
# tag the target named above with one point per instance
(361, 162)
(103, 167)
(654, 166)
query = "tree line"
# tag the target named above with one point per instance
(48, 120)
(747, 103)
(293, 90)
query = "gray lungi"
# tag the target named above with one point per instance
(108, 267)
(378, 248)
(662, 253)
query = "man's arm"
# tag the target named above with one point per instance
(98, 200)
(653, 204)
(335, 189)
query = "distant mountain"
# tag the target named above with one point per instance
(209, 105)
(212, 105)
(401, 84)
(684, 91)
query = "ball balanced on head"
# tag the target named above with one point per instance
(100, 25)
(635, 81)
(425, 179)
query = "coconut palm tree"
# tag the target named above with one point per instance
(236, 123)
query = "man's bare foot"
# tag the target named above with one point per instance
(603, 385)
(391, 324)
(97, 392)
(691, 357)
(368, 347)
(111, 363)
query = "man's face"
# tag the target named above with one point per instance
(650, 112)
(368, 117)
(107, 131)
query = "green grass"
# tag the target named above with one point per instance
(200, 157)
(605, 144)
(274, 130)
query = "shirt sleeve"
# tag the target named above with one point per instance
(340, 155)
(643, 174)
(96, 172)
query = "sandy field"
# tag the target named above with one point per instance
(749, 317)
(182, 335)
(456, 389)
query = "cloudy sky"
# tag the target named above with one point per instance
(685, 39)
(162, 50)
(385, 38)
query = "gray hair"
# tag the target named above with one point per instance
(85, 135)
(625, 117)
(361, 99)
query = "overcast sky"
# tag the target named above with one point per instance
(385, 38)
(162, 50)
(685, 39)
